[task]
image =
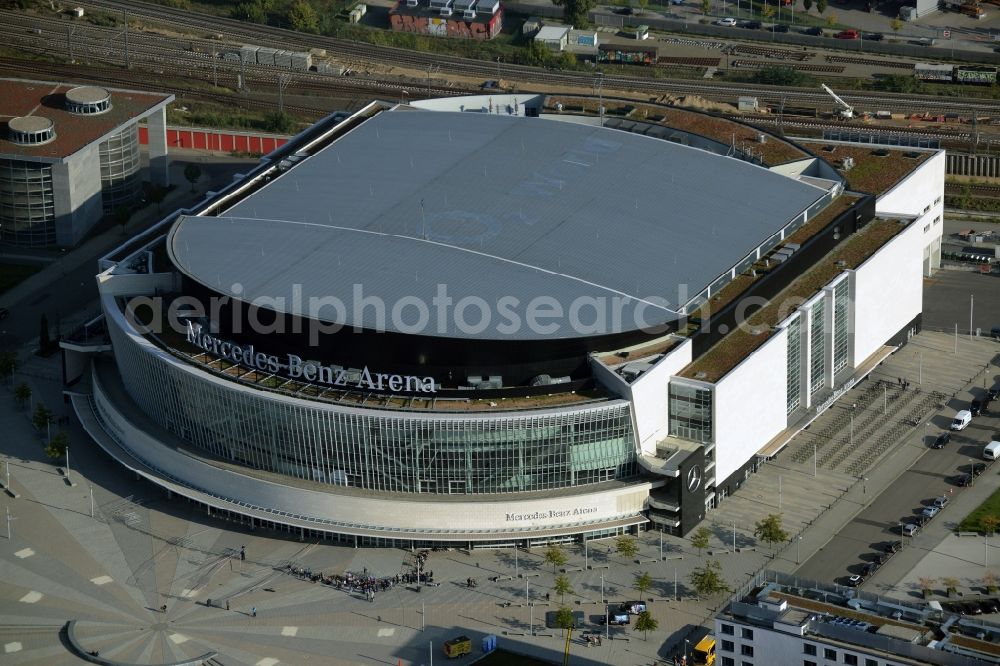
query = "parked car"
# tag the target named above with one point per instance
(874, 36)
(815, 31)
(855, 580)
(779, 27)
(941, 440)
(870, 568)
(931, 511)
(993, 393)
(892, 546)
(963, 480)
(752, 25)
(921, 519)
(728, 21)
(615, 619)
(627, 11)
(986, 400)
(989, 605)
(961, 421)
(977, 468)
(976, 407)
(882, 558)
(995, 332)
(941, 502)
(969, 608)
(848, 34)
(909, 529)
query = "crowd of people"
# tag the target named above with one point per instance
(363, 583)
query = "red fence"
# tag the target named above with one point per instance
(225, 141)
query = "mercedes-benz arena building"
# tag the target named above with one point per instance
(463, 323)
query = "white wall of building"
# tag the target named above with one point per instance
(648, 394)
(921, 194)
(887, 291)
(749, 407)
(76, 184)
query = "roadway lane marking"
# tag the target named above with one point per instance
(23, 553)
(12, 647)
(179, 638)
(267, 661)
(289, 631)
(385, 632)
(101, 580)
(31, 597)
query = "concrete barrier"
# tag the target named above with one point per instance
(967, 534)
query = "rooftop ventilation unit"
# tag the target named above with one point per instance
(469, 14)
(88, 100)
(412, 3)
(446, 11)
(31, 130)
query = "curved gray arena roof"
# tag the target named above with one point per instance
(491, 206)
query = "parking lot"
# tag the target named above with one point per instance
(947, 298)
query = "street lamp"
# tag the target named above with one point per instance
(972, 473)
(686, 643)
(403, 93)
(798, 549)
(864, 486)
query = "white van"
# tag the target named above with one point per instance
(992, 450)
(962, 419)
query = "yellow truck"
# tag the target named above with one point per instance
(458, 647)
(704, 651)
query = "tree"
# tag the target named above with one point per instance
(8, 364)
(706, 6)
(192, 172)
(831, 20)
(642, 583)
(642, 6)
(767, 12)
(626, 546)
(708, 580)
(645, 623)
(780, 75)
(555, 556)
(575, 11)
(301, 16)
(565, 619)
(700, 538)
(769, 530)
(122, 215)
(821, 6)
(279, 121)
(951, 584)
(989, 523)
(254, 11)
(42, 417)
(807, 4)
(562, 587)
(896, 24)
(22, 394)
(57, 445)
(537, 54)
(157, 194)
(990, 582)
(44, 342)
(927, 585)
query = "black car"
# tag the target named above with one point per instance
(977, 469)
(815, 31)
(941, 440)
(869, 569)
(970, 608)
(994, 393)
(920, 520)
(779, 27)
(752, 25)
(627, 11)
(892, 546)
(963, 479)
(989, 605)
(873, 36)
(985, 408)
(976, 407)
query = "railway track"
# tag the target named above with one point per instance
(349, 51)
(974, 190)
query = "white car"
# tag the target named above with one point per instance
(728, 21)
(909, 529)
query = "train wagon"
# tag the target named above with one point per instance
(983, 74)
(627, 54)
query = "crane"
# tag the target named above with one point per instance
(846, 110)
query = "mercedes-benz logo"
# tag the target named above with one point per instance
(694, 478)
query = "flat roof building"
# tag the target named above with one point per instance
(69, 155)
(456, 321)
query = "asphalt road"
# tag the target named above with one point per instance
(931, 476)
(947, 298)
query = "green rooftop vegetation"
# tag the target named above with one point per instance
(773, 151)
(876, 168)
(755, 331)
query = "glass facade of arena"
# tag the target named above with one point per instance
(841, 303)
(817, 347)
(794, 364)
(413, 451)
(690, 412)
(27, 204)
(120, 164)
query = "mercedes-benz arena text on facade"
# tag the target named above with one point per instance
(468, 321)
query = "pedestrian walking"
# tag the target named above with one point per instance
(243, 553)
(227, 604)
(163, 608)
(253, 611)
